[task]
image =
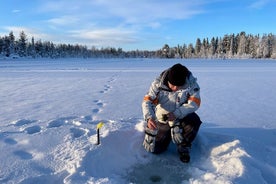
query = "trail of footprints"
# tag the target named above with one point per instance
(33, 127)
(99, 103)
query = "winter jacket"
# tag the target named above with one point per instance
(161, 100)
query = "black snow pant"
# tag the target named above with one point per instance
(189, 125)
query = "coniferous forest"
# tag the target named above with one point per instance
(239, 45)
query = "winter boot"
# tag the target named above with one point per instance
(184, 153)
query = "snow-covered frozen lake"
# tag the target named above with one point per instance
(49, 110)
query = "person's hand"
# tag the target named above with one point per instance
(149, 140)
(171, 116)
(151, 124)
(176, 132)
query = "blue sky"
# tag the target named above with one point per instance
(135, 24)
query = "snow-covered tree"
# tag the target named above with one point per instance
(190, 51)
(253, 42)
(220, 50)
(22, 44)
(12, 43)
(1, 45)
(273, 42)
(213, 46)
(166, 51)
(241, 44)
(198, 47)
(31, 48)
(6, 46)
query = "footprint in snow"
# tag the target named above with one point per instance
(78, 132)
(59, 122)
(96, 101)
(96, 110)
(112, 79)
(10, 141)
(107, 87)
(55, 123)
(22, 122)
(33, 129)
(100, 104)
(104, 91)
(87, 118)
(23, 155)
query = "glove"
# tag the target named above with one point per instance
(176, 132)
(149, 140)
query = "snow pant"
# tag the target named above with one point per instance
(189, 125)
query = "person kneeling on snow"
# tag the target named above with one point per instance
(169, 109)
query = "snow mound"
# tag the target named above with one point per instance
(224, 164)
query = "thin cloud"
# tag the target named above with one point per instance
(125, 10)
(62, 6)
(154, 25)
(28, 31)
(144, 11)
(16, 11)
(106, 37)
(106, 21)
(63, 20)
(259, 4)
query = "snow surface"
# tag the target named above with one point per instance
(49, 110)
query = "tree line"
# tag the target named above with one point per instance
(230, 46)
(241, 45)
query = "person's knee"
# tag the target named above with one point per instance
(190, 126)
(188, 133)
(162, 143)
(192, 120)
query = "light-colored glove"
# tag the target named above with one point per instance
(149, 140)
(176, 132)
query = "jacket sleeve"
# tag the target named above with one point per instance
(151, 100)
(192, 103)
